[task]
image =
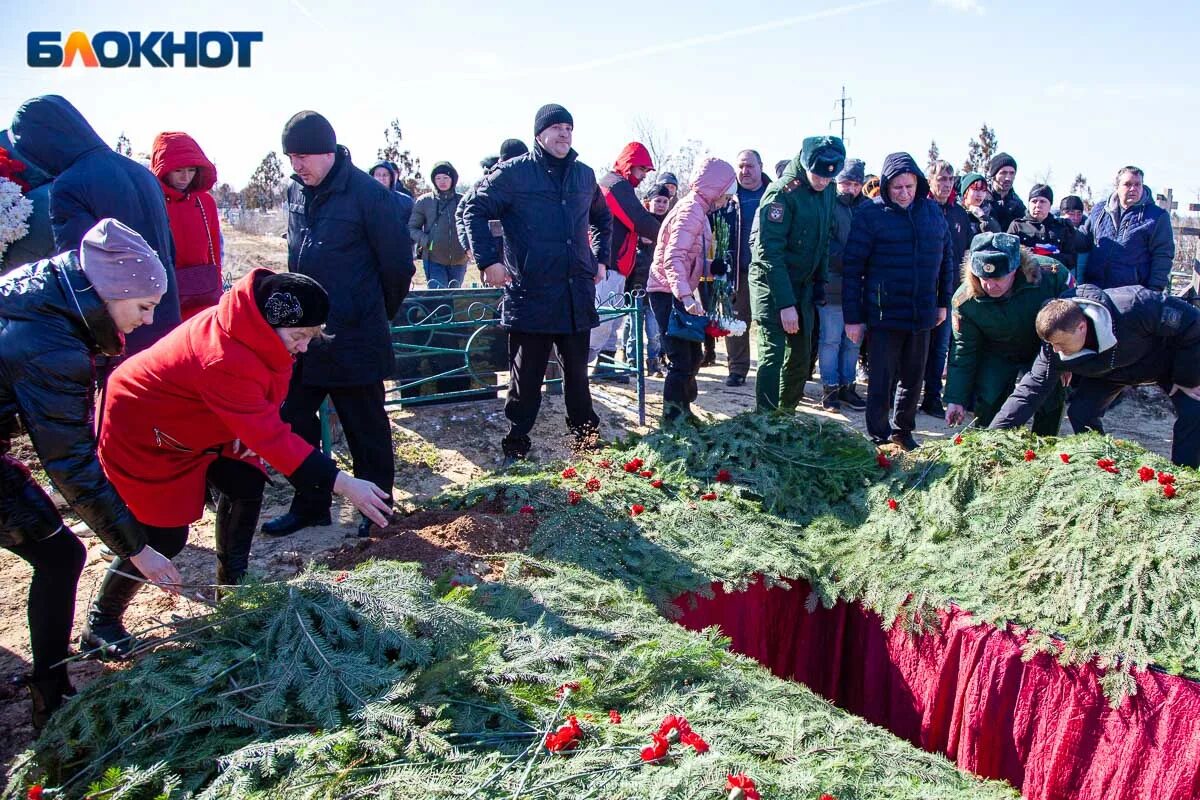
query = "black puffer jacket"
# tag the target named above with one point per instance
(52, 325)
(349, 235)
(555, 233)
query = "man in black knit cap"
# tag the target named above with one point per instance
(556, 241)
(347, 232)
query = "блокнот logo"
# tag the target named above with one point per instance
(208, 49)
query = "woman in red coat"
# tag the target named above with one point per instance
(186, 176)
(200, 409)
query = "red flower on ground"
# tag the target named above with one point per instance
(695, 741)
(647, 473)
(882, 460)
(958, 439)
(709, 496)
(657, 749)
(672, 722)
(614, 717)
(569, 472)
(1030, 455)
(1166, 478)
(724, 476)
(635, 509)
(35, 792)
(592, 485)
(633, 465)
(1168, 490)
(341, 576)
(892, 504)
(1145, 474)
(573, 497)
(605, 464)
(1066, 458)
(828, 797)
(1108, 465)
(656, 483)
(566, 737)
(527, 509)
(569, 686)
(740, 785)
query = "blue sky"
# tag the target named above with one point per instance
(1068, 87)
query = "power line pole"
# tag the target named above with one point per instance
(843, 103)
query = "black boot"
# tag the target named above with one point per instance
(48, 694)
(104, 632)
(236, 523)
(294, 521)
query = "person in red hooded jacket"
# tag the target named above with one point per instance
(200, 410)
(631, 222)
(186, 176)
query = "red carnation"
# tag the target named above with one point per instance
(569, 686)
(882, 460)
(657, 749)
(1145, 474)
(656, 483)
(1168, 490)
(671, 722)
(828, 797)
(709, 496)
(635, 509)
(695, 741)
(592, 485)
(1166, 478)
(341, 576)
(958, 439)
(647, 473)
(526, 509)
(1066, 459)
(569, 472)
(614, 717)
(35, 792)
(1030, 455)
(723, 476)
(573, 497)
(605, 464)
(633, 465)
(741, 786)
(892, 504)
(566, 737)
(1108, 465)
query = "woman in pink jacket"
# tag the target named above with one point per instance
(681, 258)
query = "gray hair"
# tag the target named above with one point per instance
(938, 168)
(753, 152)
(1130, 170)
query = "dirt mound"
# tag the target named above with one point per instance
(458, 542)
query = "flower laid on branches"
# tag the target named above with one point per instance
(1030, 455)
(647, 473)
(1166, 478)
(724, 476)
(1168, 490)
(633, 465)
(828, 797)
(1145, 474)
(341, 576)
(657, 483)
(674, 724)
(892, 504)
(709, 496)
(1108, 465)
(958, 439)
(573, 497)
(35, 792)
(635, 509)
(657, 749)
(605, 464)
(526, 509)
(694, 741)
(566, 737)
(1066, 458)
(563, 689)
(741, 787)
(592, 485)
(882, 460)
(569, 472)
(614, 717)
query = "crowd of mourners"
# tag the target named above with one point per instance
(150, 389)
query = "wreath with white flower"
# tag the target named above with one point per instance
(15, 207)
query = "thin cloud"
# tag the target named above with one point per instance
(964, 6)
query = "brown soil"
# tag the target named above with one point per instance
(436, 447)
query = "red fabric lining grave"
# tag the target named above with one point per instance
(965, 692)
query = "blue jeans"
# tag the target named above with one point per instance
(837, 355)
(653, 342)
(935, 364)
(444, 276)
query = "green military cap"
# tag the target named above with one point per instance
(994, 255)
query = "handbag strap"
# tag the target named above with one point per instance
(212, 253)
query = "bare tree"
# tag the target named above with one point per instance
(123, 146)
(934, 155)
(1046, 176)
(408, 165)
(683, 161)
(980, 151)
(1081, 189)
(657, 141)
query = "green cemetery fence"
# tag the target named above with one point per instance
(450, 348)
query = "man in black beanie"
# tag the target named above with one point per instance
(511, 148)
(1044, 233)
(348, 232)
(1071, 209)
(557, 231)
(1006, 206)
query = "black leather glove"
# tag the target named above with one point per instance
(819, 294)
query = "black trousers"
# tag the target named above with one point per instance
(896, 358)
(528, 355)
(1091, 397)
(364, 421)
(679, 389)
(57, 562)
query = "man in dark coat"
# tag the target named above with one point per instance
(347, 232)
(896, 280)
(1109, 339)
(837, 354)
(1044, 233)
(92, 182)
(1130, 238)
(557, 233)
(1006, 206)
